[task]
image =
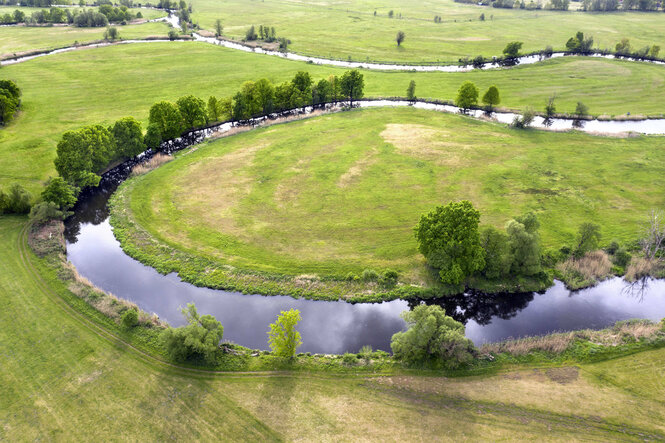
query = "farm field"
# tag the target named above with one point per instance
(97, 86)
(63, 381)
(19, 39)
(349, 29)
(362, 187)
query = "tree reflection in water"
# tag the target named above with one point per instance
(480, 307)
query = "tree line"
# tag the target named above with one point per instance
(81, 18)
(10, 101)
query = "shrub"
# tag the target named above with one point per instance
(352, 277)
(370, 275)
(621, 258)
(60, 192)
(17, 201)
(389, 277)
(173, 34)
(525, 120)
(432, 337)
(46, 211)
(130, 318)
(199, 339)
(349, 359)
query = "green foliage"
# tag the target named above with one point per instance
(111, 33)
(218, 28)
(199, 339)
(621, 257)
(173, 34)
(588, 237)
(498, 258)
(264, 93)
(352, 85)
(369, 275)
(581, 110)
(245, 102)
(193, 111)
(213, 109)
(282, 336)
(512, 49)
(349, 359)
(83, 153)
(17, 201)
(432, 337)
(400, 38)
(128, 137)
(579, 44)
(411, 91)
(250, 35)
(467, 96)
(491, 97)
(59, 192)
(130, 318)
(448, 237)
(45, 211)
(153, 137)
(166, 118)
(524, 245)
(322, 92)
(9, 100)
(389, 277)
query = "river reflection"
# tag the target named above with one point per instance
(337, 327)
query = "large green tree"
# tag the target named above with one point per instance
(60, 192)
(432, 337)
(497, 253)
(491, 98)
(264, 92)
(245, 103)
(448, 238)
(512, 49)
(524, 244)
(81, 154)
(167, 119)
(302, 89)
(193, 111)
(128, 137)
(282, 336)
(467, 96)
(199, 339)
(352, 85)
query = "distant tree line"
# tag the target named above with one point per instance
(563, 5)
(88, 18)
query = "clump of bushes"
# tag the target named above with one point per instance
(10, 100)
(16, 201)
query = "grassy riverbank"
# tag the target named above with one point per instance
(66, 379)
(16, 40)
(351, 30)
(98, 86)
(303, 210)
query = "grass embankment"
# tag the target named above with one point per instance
(307, 202)
(98, 86)
(18, 40)
(335, 30)
(65, 379)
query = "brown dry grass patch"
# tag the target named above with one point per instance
(640, 267)
(154, 162)
(356, 170)
(425, 143)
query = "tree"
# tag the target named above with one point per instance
(167, 119)
(218, 28)
(654, 236)
(250, 35)
(448, 238)
(579, 43)
(283, 95)
(432, 337)
(550, 110)
(130, 318)
(213, 109)
(512, 49)
(9, 100)
(411, 91)
(111, 33)
(74, 160)
(351, 85)
(19, 16)
(245, 102)
(581, 110)
(193, 111)
(335, 91)
(654, 51)
(467, 96)
(322, 92)
(45, 211)
(265, 95)
(302, 84)
(588, 237)
(623, 47)
(282, 336)
(128, 137)
(59, 192)
(497, 253)
(199, 339)
(153, 137)
(491, 98)
(102, 145)
(524, 244)
(17, 201)
(400, 38)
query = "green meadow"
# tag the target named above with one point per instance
(341, 193)
(349, 29)
(65, 379)
(90, 86)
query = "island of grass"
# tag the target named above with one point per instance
(298, 208)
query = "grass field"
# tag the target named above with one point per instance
(18, 39)
(343, 29)
(342, 193)
(63, 381)
(67, 91)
